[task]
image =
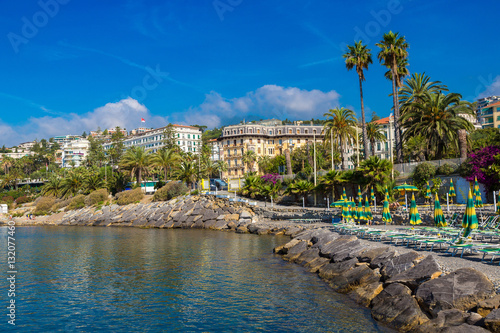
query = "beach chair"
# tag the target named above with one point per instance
(493, 251)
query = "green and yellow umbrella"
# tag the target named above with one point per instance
(428, 192)
(439, 220)
(498, 203)
(386, 214)
(359, 210)
(346, 213)
(470, 221)
(479, 202)
(476, 187)
(452, 192)
(344, 196)
(373, 195)
(340, 203)
(360, 197)
(367, 215)
(414, 215)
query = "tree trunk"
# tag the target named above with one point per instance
(462, 140)
(363, 122)
(397, 131)
(139, 176)
(165, 171)
(288, 162)
(372, 142)
(342, 154)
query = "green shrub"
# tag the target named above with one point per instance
(169, 191)
(44, 205)
(77, 202)
(128, 197)
(445, 169)
(422, 173)
(61, 203)
(7, 199)
(97, 196)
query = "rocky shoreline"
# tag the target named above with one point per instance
(405, 291)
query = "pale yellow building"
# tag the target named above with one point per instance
(265, 138)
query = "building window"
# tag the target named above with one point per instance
(279, 131)
(298, 140)
(290, 141)
(314, 131)
(280, 141)
(234, 142)
(270, 150)
(307, 131)
(298, 131)
(241, 141)
(250, 131)
(250, 141)
(229, 163)
(258, 150)
(289, 131)
(258, 140)
(386, 146)
(241, 151)
(258, 131)
(228, 152)
(378, 146)
(235, 152)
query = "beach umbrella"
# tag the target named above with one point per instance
(414, 215)
(344, 196)
(346, 213)
(470, 221)
(428, 192)
(386, 214)
(479, 202)
(360, 197)
(403, 189)
(452, 192)
(476, 187)
(340, 203)
(439, 220)
(498, 203)
(373, 195)
(359, 210)
(368, 212)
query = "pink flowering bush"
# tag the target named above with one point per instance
(480, 162)
(271, 178)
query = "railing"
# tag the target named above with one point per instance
(407, 168)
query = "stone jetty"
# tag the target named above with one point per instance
(407, 291)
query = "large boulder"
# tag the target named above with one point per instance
(462, 289)
(370, 254)
(354, 278)
(283, 249)
(445, 318)
(295, 251)
(363, 295)
(399, 264)
(341, 247)
(383, 258)
(492, 321)
(315, 264)
(331, 270)
(464, 328)
(425, 270)
(487, 305)
(396, 308)
(308, 255)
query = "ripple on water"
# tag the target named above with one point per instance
(136, 280)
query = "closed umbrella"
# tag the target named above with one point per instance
(346, 213)
(360, 197)
(470, 221)
(439, 220)
(373, 195)
(452, 192)
(386, 214)
(368, 212)
(498, 203)
(344, 196)
(428, 192)
(414, 215)
(479, 202)
(359, 210)
(476, 187)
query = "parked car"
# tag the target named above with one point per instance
(219, 184)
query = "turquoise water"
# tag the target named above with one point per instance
(84, 279)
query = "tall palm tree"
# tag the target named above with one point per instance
(392, 48)
(359, 56)
(374, 133)
(249, 158)
(136, 160)
(401, 72)
(339, 128)
(436, 118)
(209, 167)
(165, 158)
(220, 167)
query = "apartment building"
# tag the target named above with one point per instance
(215, 149)
(490, 115)
(265, 138)
(187, 137)
(385, 150)
(74, 152)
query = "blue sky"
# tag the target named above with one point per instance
(69, 66)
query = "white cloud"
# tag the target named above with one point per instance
(269, 101)
(126, 113)
(492, 86)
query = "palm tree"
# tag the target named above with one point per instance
(401, 72)
(416, 88)
(136, 160)
(52, 187)
(300, 188)
(220, 167)
(436, 118)
(252, 186)
(187, 172)
(339, 128)
(375, 170)
(359, 56)
(72, 184)
(392, 48)
(249, 158)
(415, 148)
(93, 182)
(165, 158)
(374, 133)
(264, 162)
(329, 181)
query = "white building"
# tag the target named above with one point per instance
(384, 150)
(187, 137)
(74, 152)
(215, 149)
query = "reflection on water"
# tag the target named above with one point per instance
(135, 280)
